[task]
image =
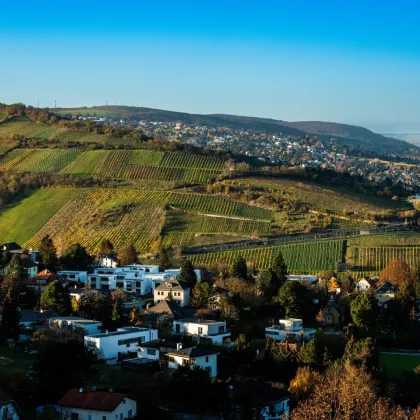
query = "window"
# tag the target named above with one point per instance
(200, 330)
(103, 417)
(130, 413)
(151, 352)
(171, 358)
(122, 416)
(89, 417)
(74, 416)
(207, 359)
(221, 329)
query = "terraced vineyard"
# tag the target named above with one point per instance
(213, 204)
(38, 160)
(376, 258)
(22, 126)
(309, 257)
(122, 216)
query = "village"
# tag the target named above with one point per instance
(249, 333)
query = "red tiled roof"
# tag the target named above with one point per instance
(45, 276)
(92, 400)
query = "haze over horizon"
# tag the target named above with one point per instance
(353, 63)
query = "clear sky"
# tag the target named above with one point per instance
(354, 61)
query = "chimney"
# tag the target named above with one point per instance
(178, 346)
(147, 306)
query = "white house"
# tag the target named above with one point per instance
(206, 328)
(276, 405)
(124, 340)
(194, 356)
(366, 283)
(157, 349)
(80, 404)
(172, 290)
(89, 326)
(109, 262)
(290, 329)
(303, 278)
(71, 275)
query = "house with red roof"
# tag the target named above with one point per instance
(43, 279)
(82, 404)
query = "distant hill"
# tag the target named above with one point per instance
(343, 133)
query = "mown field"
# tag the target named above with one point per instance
(308, 257)
(23, 218)
(339, 200)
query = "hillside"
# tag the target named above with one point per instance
(344, 133)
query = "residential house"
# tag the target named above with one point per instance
(167, 311)
(366, 283)
(43, 279)
(72, 275)
(29, 266)
(214, 331)
(8, 407)
(194, 356)
(112, 345)
(330, 315)
(302, 278)
(15, 249)
(157, 349)
(385, 293)
(81, 404)
(108, 262)
(172, 290)
(290, 329)
(89, 326)
(28, 317)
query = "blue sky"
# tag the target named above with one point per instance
(336, 60)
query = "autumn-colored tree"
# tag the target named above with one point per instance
(136, 318)
(333, 284)
(127, 255)
(396, 272)
(304, 382)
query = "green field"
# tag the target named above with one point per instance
(308, 257)
(23, 218)
(395, 364)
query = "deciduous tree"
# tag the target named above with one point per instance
(127, 255)
(364, 310)
(56, 297)
(48, 253)
(396, 272)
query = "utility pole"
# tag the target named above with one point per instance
(37, 104)
(55, 103)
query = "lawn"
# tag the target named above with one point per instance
(395, 364)
(19, 360)
(26, 215)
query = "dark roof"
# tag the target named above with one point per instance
(11, 246)
(28, 315)
(387, 287)
(159, 343)
(170, 285)
(4, 397)
(193, 352)
(92, 400)
(171, 309)
(28, 263)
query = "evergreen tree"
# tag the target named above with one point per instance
(201, 296)
(10, 319)
(364, 310)
(296, 299)
(239, 268)
(164, 260)
(117, 311)
(187, 274)
(269, 284)
(15, 269)
(76, 258)
(56, 297)
(279, 269)
(127, 255)
(48, 253)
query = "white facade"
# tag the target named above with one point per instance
(89, 326)
(126, 410)
(148, 353)
(181, 297)
(207, 362)
(206, 328)
(107, 262)
(70, 275)
(124, 340)
(290, 328)
(303, 278)
(276, 411)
